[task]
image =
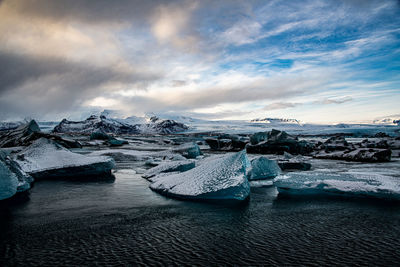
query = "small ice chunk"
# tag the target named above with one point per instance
(171, 166)
(217, 178)
(264, 168)
(354, 183)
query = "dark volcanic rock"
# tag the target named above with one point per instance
(227, 142)
(382, 144)
(167, 126)
(279, 142)
(381, 134)
(24, 135)
(361, 155)
(294, 165)
(19, 136)
(336, 143)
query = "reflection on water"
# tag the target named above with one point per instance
(122, 222)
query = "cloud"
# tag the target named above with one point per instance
(40, 85)
(178, 83)
(171, 24)
(280, 105)
(328, 101)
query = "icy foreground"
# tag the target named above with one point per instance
(351, 183)
(45, 158)
(216, 178)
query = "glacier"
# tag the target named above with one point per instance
(216, 178)
(339, 183)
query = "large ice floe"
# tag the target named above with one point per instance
(340, 183)
(216, 178)
(46, 159)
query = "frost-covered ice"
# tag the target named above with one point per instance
(353, 183)
(45, 158)
(172, 166)
(216, 178)
(264, 168)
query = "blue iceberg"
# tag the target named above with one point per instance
(216, 178)
(263, 168)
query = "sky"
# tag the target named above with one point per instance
(315, 61)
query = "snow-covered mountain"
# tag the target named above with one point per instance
(390, 120)
(130, 125)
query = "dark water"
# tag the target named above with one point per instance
(122, 222)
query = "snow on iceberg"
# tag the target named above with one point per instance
(263, 168)
(216, 178)
(352, 183)
(45, 158)
(172, 166)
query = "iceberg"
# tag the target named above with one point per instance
(173, 166)
(263, 168)
(216, 178)
(347, 183)
(188, 150)
(8, 181)
(45, 159)
(12, 178)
